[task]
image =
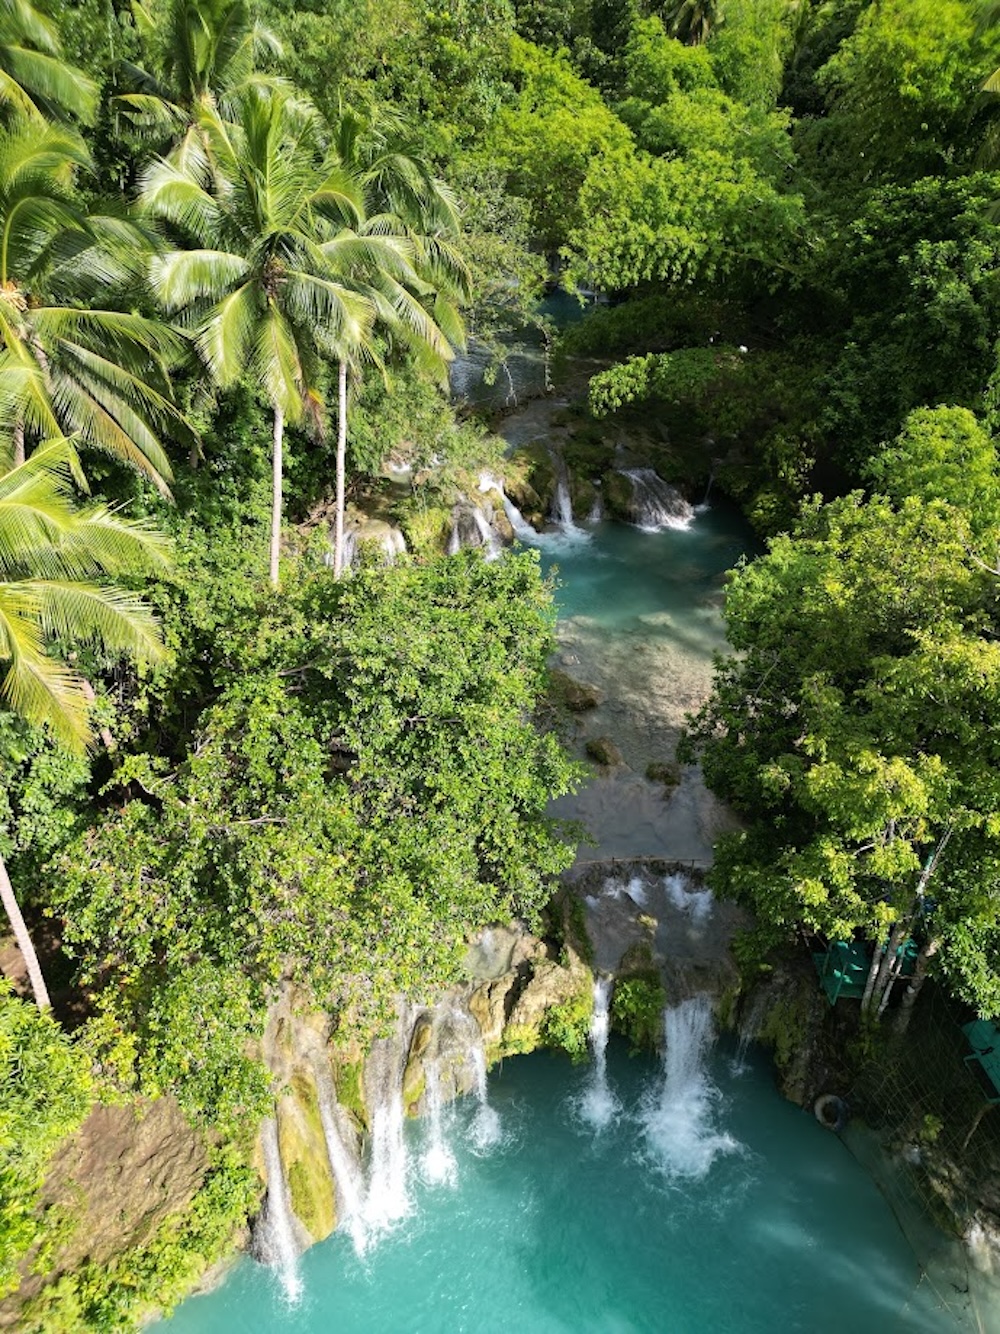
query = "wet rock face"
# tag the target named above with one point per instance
(124, 1172)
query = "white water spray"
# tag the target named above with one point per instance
(485, 1129)
(437, 1165)
(696, 903)
(388, 1200)
(656, 504)
(680, 1122)
(598, 1105)
(276, 1238)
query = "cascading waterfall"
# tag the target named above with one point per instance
(275, 1237)
(485, 1130)
(696, 903)
(437, 1165)
(562, 505)
(388, 1199)
(344, 1166)
(598, 1104)
(655, 503)
(491, 540)
(680, 1122)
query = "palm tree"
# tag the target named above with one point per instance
(405, 205)
(58, 565)
(210, 54)
(34, 79)
(693, 21)
(265, 299)
(69, 366)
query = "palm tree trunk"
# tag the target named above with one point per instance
(279, 432)
(23, 939)
(338, 535)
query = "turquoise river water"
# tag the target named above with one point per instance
(559, 1229)
(706, 1204)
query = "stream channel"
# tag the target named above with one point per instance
(625, 1195)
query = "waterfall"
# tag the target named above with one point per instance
(471, 528)
(655, 503)
(599, 1106)
(680, 1122)
(491, 540)
(562, 505)
(275, 1235)
(388, 1199)
(697, 903)
(751, 1021)
(344, 1166)
(437, 1165)
(486, 1122)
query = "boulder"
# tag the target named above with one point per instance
(603, 751)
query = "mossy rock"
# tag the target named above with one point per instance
(602, 750)
(566, 692)
(582, 494)
(618, 496)
(531, 477)
(305, 1159)
(347, 1078)
(427, 530)
(669, 774)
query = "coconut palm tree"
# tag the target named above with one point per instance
(34, 78)
(210, 54)
(416, 303)
(58, 566)
(693, 21)
(282, 267)
(69, 365)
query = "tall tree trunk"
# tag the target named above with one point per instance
(338, 535)
(866, 999)
(18, 442)
(23, 939)
(896, 936)
(279, 432)
(916, 982)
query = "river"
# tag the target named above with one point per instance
(695, 1198)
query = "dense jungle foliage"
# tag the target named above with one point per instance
(239, 244)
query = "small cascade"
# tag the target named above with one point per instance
(437, 1165)
(485, 1128)
(696, 903)
(490, 538)
(471, 527)
(344, 1165)
(655, 503)
(680, 1122)
(275, 1235)
(388, 1198)
(562, 505)
(597, 509)
(599, 1106)
(751, 1021)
